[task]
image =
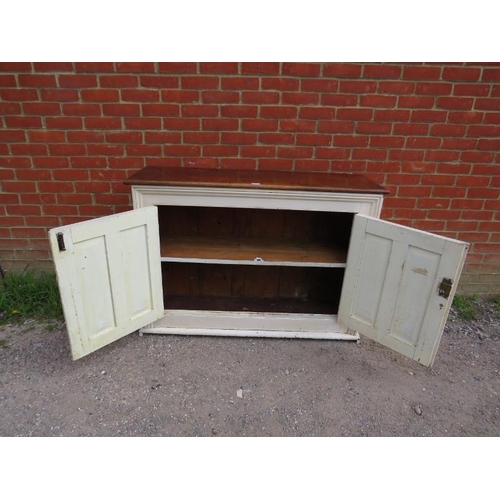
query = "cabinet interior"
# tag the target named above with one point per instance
(262, 260)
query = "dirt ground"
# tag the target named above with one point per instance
(159, 385)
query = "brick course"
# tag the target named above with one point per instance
(71, 132)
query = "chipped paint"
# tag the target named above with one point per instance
(420, 270)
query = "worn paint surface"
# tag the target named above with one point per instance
(420, 270)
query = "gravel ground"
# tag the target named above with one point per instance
(159, 385)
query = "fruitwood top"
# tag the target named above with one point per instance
(256, 179)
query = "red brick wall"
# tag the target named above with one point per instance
(71, 132)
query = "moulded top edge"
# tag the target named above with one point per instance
(268, 179)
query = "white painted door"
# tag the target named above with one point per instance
(109, 276)
(391, 290)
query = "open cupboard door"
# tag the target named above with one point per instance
(109, 276)
(399, 284)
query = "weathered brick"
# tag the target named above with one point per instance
(160, 137)
(421, 72)
(77, 81)
(301, 69)
(259, 125)
(238, 163)
(161, 110)
(288, 84)
(237, 138)
(220, 151)
(278, 111)
(37, 80)
(178, 67)
(239, 83)
(268, 97)
(266, 68)
(135, 67)
(103, 123)
(200, 82)
(219, 67)
(429, 132)
(237, 111)
(182, 123)
(100, 95)
(461, 74)
(23, 121)
(214, 96)
(140, 95)
(120, 109)
(342, 70)
(91, 67)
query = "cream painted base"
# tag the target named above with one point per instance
(250, 324)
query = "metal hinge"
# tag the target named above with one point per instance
(444, 289)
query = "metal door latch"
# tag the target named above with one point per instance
(444, 289)
(60, 242)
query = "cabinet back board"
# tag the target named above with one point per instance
(241, 288)
(286, 225)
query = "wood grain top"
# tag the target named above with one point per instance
(255, 179)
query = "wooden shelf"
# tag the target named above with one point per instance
(251, 251)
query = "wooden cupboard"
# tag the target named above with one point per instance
(249, 253)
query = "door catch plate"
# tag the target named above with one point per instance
(60, 242)
(444, 289)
